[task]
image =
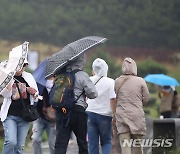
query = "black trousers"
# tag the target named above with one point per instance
(78, 124)
(166, 114)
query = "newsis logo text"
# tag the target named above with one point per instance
(167, 143)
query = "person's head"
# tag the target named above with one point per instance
(100, 67)
(166, 90)
(166, 87)
(78, 63)
(129, 67)
(19, 72)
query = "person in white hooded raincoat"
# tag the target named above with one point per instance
(99, 109)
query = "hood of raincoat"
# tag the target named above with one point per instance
(78, 63)
(100, 67)
(129, 67)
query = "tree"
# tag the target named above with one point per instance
(147, 23)
(150, 67)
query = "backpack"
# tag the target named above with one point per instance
(62, 93)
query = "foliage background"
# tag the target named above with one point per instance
(146, 30)
(142, 23)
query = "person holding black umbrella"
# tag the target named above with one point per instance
(78, 116)
(71, 60)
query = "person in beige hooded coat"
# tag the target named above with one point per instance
(131, 93)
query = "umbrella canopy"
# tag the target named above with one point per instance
(70, 52)
(15, 62)
(18, 55)
(6, 77)
(16, 58)
(161, 79)
(39, 76)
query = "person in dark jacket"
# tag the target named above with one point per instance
(44, 122)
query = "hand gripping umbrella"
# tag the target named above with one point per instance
(14, 63)
(70, 52)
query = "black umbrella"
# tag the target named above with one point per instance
(70, 52)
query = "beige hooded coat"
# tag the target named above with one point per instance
(132, 93)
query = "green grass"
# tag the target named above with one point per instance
(153, 113)
(44, 137)
(152, 108)
(1, 144)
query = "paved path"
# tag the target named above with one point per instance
(72, 148)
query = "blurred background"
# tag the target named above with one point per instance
(146, 30)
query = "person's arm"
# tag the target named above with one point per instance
(113, 104)
(32, 89)
(145, 93)
(89, 88)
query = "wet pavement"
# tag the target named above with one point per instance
(72, 148)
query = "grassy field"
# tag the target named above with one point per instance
(1, 144)
(44, 50)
